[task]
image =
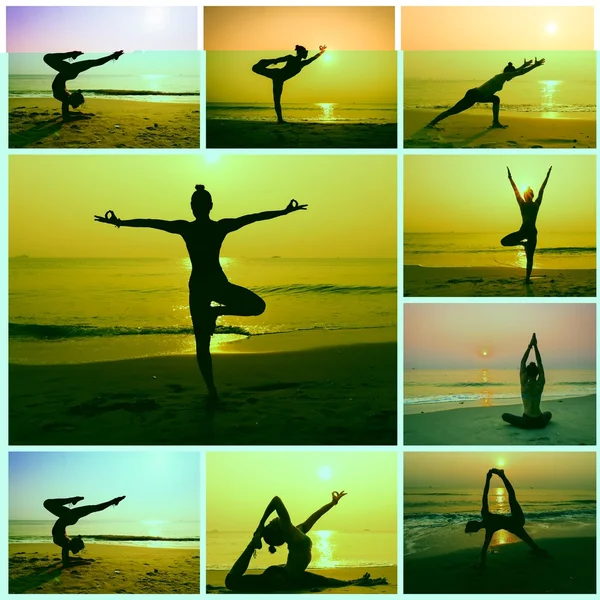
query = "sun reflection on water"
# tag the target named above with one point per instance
(326, 111)
(548, 90)
(324, 546)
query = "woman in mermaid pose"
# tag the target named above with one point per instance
(203, 238)
(527, 235)
(491, 522)
(533, 380)
(67, 71)
(293, 66)
(70, 516)
(293, 575)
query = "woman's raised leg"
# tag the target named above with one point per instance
(84, 65)
(84, 511)
(57, 505)
(513, 239)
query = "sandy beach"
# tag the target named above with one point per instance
(222, 133)
(337, 394)
(510, 569)
(497, 281)
(215, 580)
(573, 424)
(472, 130)
(37, 123)
(111, 569)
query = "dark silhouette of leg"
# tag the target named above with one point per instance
(485, 507)
(239, 301)
(237, 581)
(311, 580)
(57, 505)
(515, 508)
(81, 66)
(261, 68)
(277, 91)
(527, 422)
(521, 533)
(467, 102)
(529, 252)
(203, 320)
(58, 60)
(84, 511)
(495, 100)
(204, 360)
(513, 239)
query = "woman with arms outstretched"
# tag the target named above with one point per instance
(67, 71)
(527, 235)
(293, 66)
(486, 92)
(203, 238)
(491, 522)
(533, 380)
(293, 575)
(70, 516)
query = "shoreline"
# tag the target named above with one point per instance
(497, 281)
(573, 423)
(523, 130)
(37, 568)
(108, 123)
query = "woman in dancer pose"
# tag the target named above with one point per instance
(293, 66)
(293, 575)
(203, 238)
(527, 235)
(68, 71)
(491, 522)
(70, 516)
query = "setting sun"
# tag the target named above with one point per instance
(325, 472)
(551, 28)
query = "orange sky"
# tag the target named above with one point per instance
(497, 28)
(273, 28)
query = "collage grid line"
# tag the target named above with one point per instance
(400, 450)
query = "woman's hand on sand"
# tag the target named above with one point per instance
(293, 206)
(337, 496)
(109, 217)
(322, 49)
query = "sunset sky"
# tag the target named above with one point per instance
(466, 470)
(455, 336)
(497, 27)
(275, 27)
(472, 194)
(337, 76)
(304, 481)
(101, 29)
(52, 214)
(163, 486)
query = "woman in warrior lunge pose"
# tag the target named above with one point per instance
(67, 71)
(70, 516)
(293, 575)
(293, 66)
(533, 381)
(203, 238)
(527, 235)
(486, 92)
(513, 523)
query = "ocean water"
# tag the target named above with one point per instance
(328, 112)
(430, 390)
(331, 549)
(155, 534)
(520, 95)
(434, 520)
(78, 310)
(147, 88)
(554, 250)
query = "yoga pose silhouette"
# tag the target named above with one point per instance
(292, 575)
(527, 235)
(486, 92)
(533, 380)
(70, 516)
(203, 238)
(293, 66)
(67, 71)
(513, 523)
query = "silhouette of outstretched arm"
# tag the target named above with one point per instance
(538, 359)
(276, 505)
(525, 68)
(313, 58)
(168, 226)
(522, 370)
(235, 224)
(514, 187)
(541, 192)
(308, 524)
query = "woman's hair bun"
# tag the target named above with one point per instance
(272, 549)
(199, 188)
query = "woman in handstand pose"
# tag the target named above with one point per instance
(513, 523)
(533, 381)
(70, 516)
(486, 92)
(293, 66)
(67, 71)
(293, 575)
(527, 235)
(203, 238)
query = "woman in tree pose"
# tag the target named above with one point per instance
(527, 235)
(203, 238)
(70, 516)
(513, 523)
(293, 66)
(67, 71)
(293, 575)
